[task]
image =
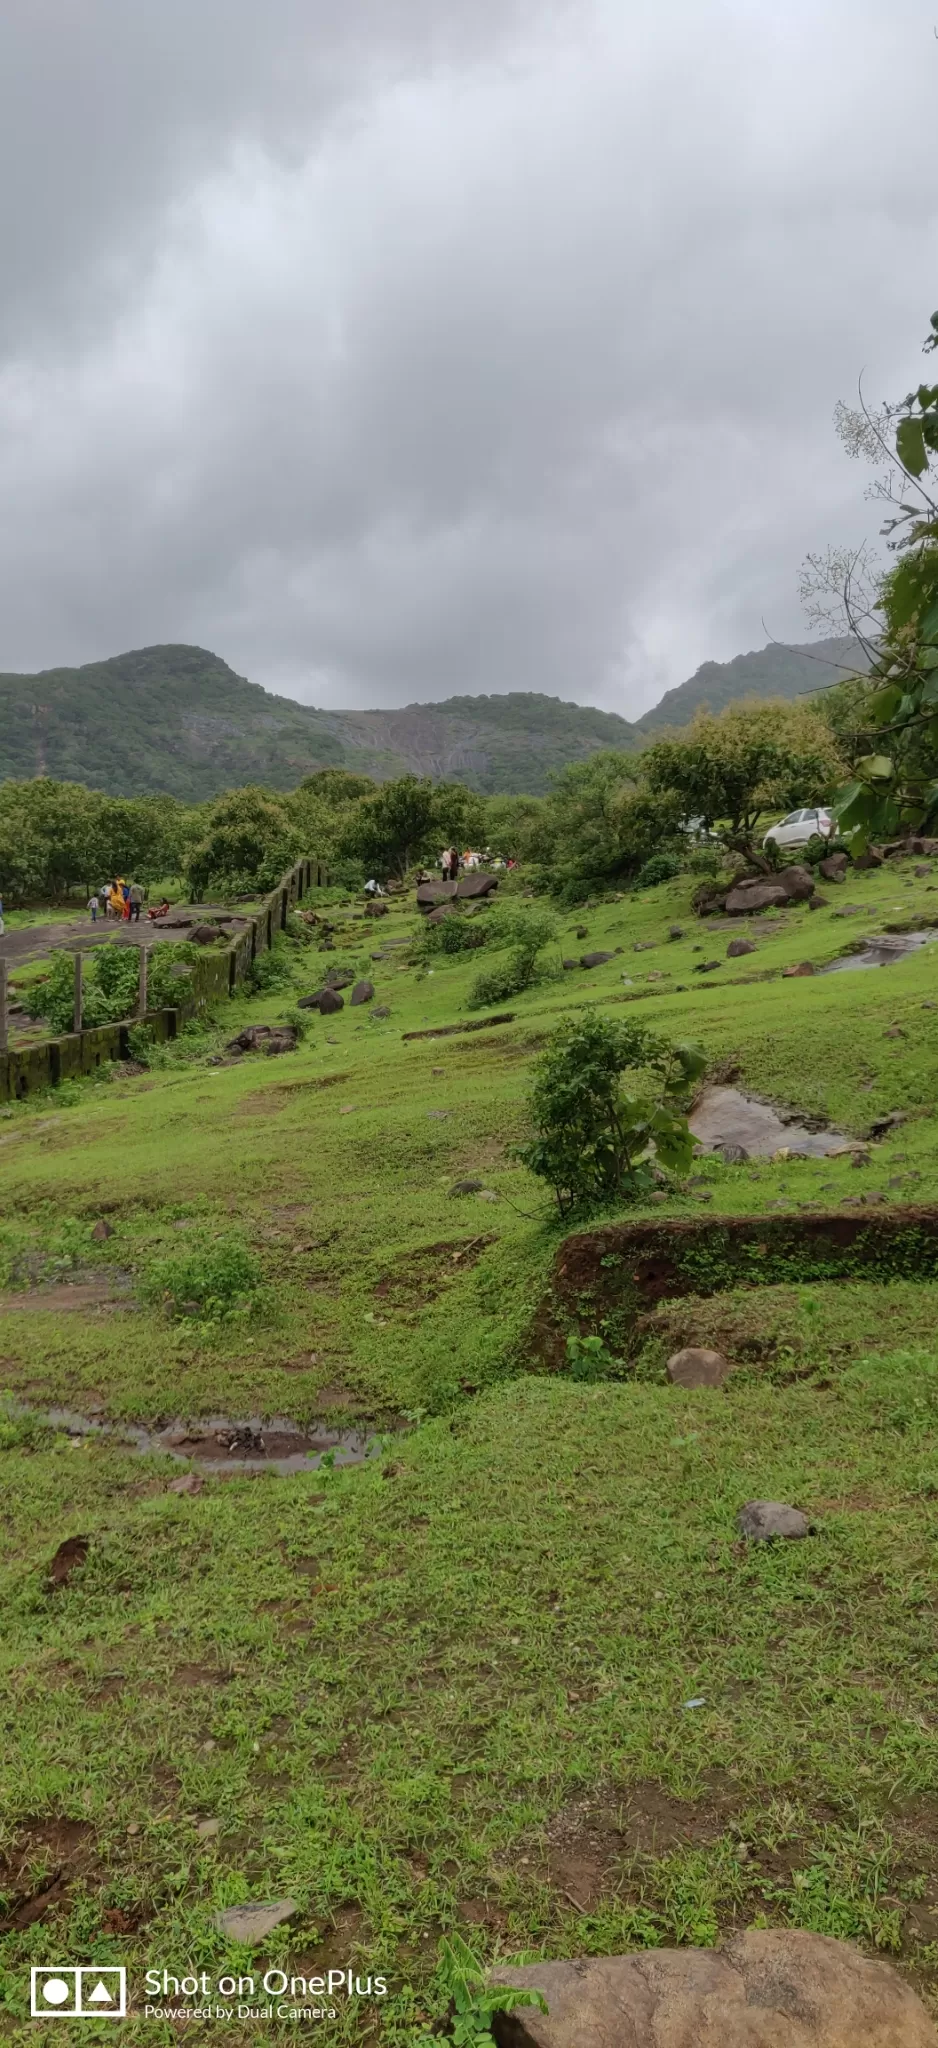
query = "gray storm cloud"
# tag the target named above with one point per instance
(406, 349)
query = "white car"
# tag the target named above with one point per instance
(799, 827)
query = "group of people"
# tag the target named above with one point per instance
(118, 899)
(452, 862)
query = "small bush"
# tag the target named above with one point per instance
(215, 1282)
(270, 972)
(662, 867)
(704, 860)
(527, 931)
(595, 1143)
(453, 934)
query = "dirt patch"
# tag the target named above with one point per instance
(725, 1116)
(69, 1557)
(47, 1856)
(606, 1280)
(63, 1299)
(420, 1277)
(592, 1843)
(224, 1446)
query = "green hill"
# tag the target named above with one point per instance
(178, 719)
(768, 672)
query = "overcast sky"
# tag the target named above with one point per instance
(395, 348)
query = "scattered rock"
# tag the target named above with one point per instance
(262, 1038)
(67, 1559)
(376, 910)
(803, 967)
(705, 966)
(363, 992)
(861, 1157)
(894, 1031)
(204, 934)
(253, 1923)
(208, 1829)
(188, 1484)
(643, 946)
(381, 1011)
(818, 902)
(889, 1122)
(733, 1155)
(834, 868)
(763, 1520)
(920, 873)
(339, 977)
(486, 1195)
(767, 1988)
(738, 947)
(595, 959)
(675, 931)
(695, 1366)
(872, 858)
(329, 1002)
(467, 1187)
(582, 931)
(101, 1232)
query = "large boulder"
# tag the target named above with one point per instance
(326, 1000)
(834, 868)
(339, 977)
(696, 1366)
(754, 895)
(872, 858)
(363, 992)
(376, 910)
(798, 883)
(595, 959)
(471, 887)
(768, 1988)
(737, 948)
(264, 1038)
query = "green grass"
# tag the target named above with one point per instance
(448, 1689)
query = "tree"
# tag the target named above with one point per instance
(754, 757)
(252, 838)
(407, 821)
(603, 822)
(595, 1140)
(894, 751)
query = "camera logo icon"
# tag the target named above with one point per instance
(82, 1993)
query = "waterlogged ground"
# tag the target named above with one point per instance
(450, 1686)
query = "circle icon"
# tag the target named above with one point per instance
(56, 1990)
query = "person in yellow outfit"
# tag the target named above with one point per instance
(116, 900)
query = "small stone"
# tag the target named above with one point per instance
(706, 966)
(208, 1829)
(762, 1520)
(894, 1031)
(381, 1011)
(921, 873)
(582, 931)
(568, 964)
(467, 1187)
(834, 868)
(134, 1828)
(643, 946)
(803, 967)
(189, 1483)
(486, 1195)
(253, 1923)
(101, 1232)
(737, 947)
(675, 931)
(595, 959)
(695, 1366)
(861, 1157)
(733, 1155)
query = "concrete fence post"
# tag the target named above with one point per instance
(142, 990)
(76, 1013)
(4, 1040)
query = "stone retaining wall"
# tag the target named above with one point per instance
(216, 974)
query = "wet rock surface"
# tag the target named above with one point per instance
(883, 951)
(223, 1445)
(725, 1116)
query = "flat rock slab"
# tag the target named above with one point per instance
(765, 1989)
(254, 1922)
(695, 1366)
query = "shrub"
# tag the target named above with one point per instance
(527, 931)
(453, 934)
(662, 867)
(704, 860)
(216, 1282)
(270, 972)
(595, 1143)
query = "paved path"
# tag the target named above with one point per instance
(76, 934)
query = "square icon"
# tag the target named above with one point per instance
(82, 1992)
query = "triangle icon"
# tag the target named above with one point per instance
(100, 1995)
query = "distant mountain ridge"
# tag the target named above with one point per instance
(176, 720)
(771, 671)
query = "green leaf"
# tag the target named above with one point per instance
(929, 625)
(884, 703)
(876, 768)
(910, 446)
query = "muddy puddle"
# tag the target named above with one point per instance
(221, 1445)
(881, 952)
(724, 1116)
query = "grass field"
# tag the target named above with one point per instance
(451, 1687)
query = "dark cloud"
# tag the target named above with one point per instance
(392, 355)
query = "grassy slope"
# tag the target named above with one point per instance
(454, 1694)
